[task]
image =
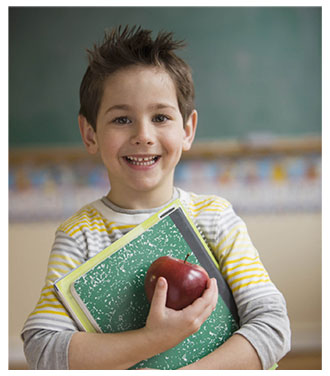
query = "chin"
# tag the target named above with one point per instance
(152, 188)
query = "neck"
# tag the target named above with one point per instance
(140, 200)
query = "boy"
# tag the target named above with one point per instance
(137, 112)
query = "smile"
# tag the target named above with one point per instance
(142, 161)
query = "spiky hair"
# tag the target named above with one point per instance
(123, 47)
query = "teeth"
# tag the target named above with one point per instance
(142, 161)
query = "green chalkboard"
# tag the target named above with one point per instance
(256, 69)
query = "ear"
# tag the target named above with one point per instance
(190, 130)
(88, 135)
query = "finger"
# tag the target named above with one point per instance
(212, 287)
(212, 293)
(158, 301)
(209, 293)
(202, 307)
(211, 299)
(207, 301)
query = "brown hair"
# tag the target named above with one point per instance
(134, 46)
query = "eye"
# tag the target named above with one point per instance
(160, 118)
(122, 120)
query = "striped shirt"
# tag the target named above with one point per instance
(100, 223)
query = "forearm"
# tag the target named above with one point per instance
(164, 329)
(262, 340)
(236, 353)
(46, 349)
(110, 350)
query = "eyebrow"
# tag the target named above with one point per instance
(155, 106)
(158, 106)
(118, 107)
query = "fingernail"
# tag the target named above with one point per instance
(161, 281)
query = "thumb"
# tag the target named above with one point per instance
(160, 294)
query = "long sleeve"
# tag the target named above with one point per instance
(47, 349)
(48, 329)
(49, 313)
(261, 306)
(265, 324)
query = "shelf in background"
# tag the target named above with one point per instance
(200, 150)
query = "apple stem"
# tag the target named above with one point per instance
(186, 258)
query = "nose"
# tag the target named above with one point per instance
(143, 134)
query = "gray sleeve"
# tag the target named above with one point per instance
(265, 324)
(47, 349)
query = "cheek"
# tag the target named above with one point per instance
(110, 140)
(174, 142)
(108, 148)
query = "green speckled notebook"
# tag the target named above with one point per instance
(106, 294)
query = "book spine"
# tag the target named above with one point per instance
(191, 237)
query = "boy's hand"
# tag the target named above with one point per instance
(167, 327)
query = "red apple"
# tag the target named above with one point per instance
(186, 281)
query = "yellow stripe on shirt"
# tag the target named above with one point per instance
(250, 276)
(56, 255)
(87, 212)
(246, 271)
(250, 283)
(49, 311)
(213, 205)
(38, 306)
(237, 230)
(241, 259)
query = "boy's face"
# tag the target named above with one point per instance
(140, 136)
